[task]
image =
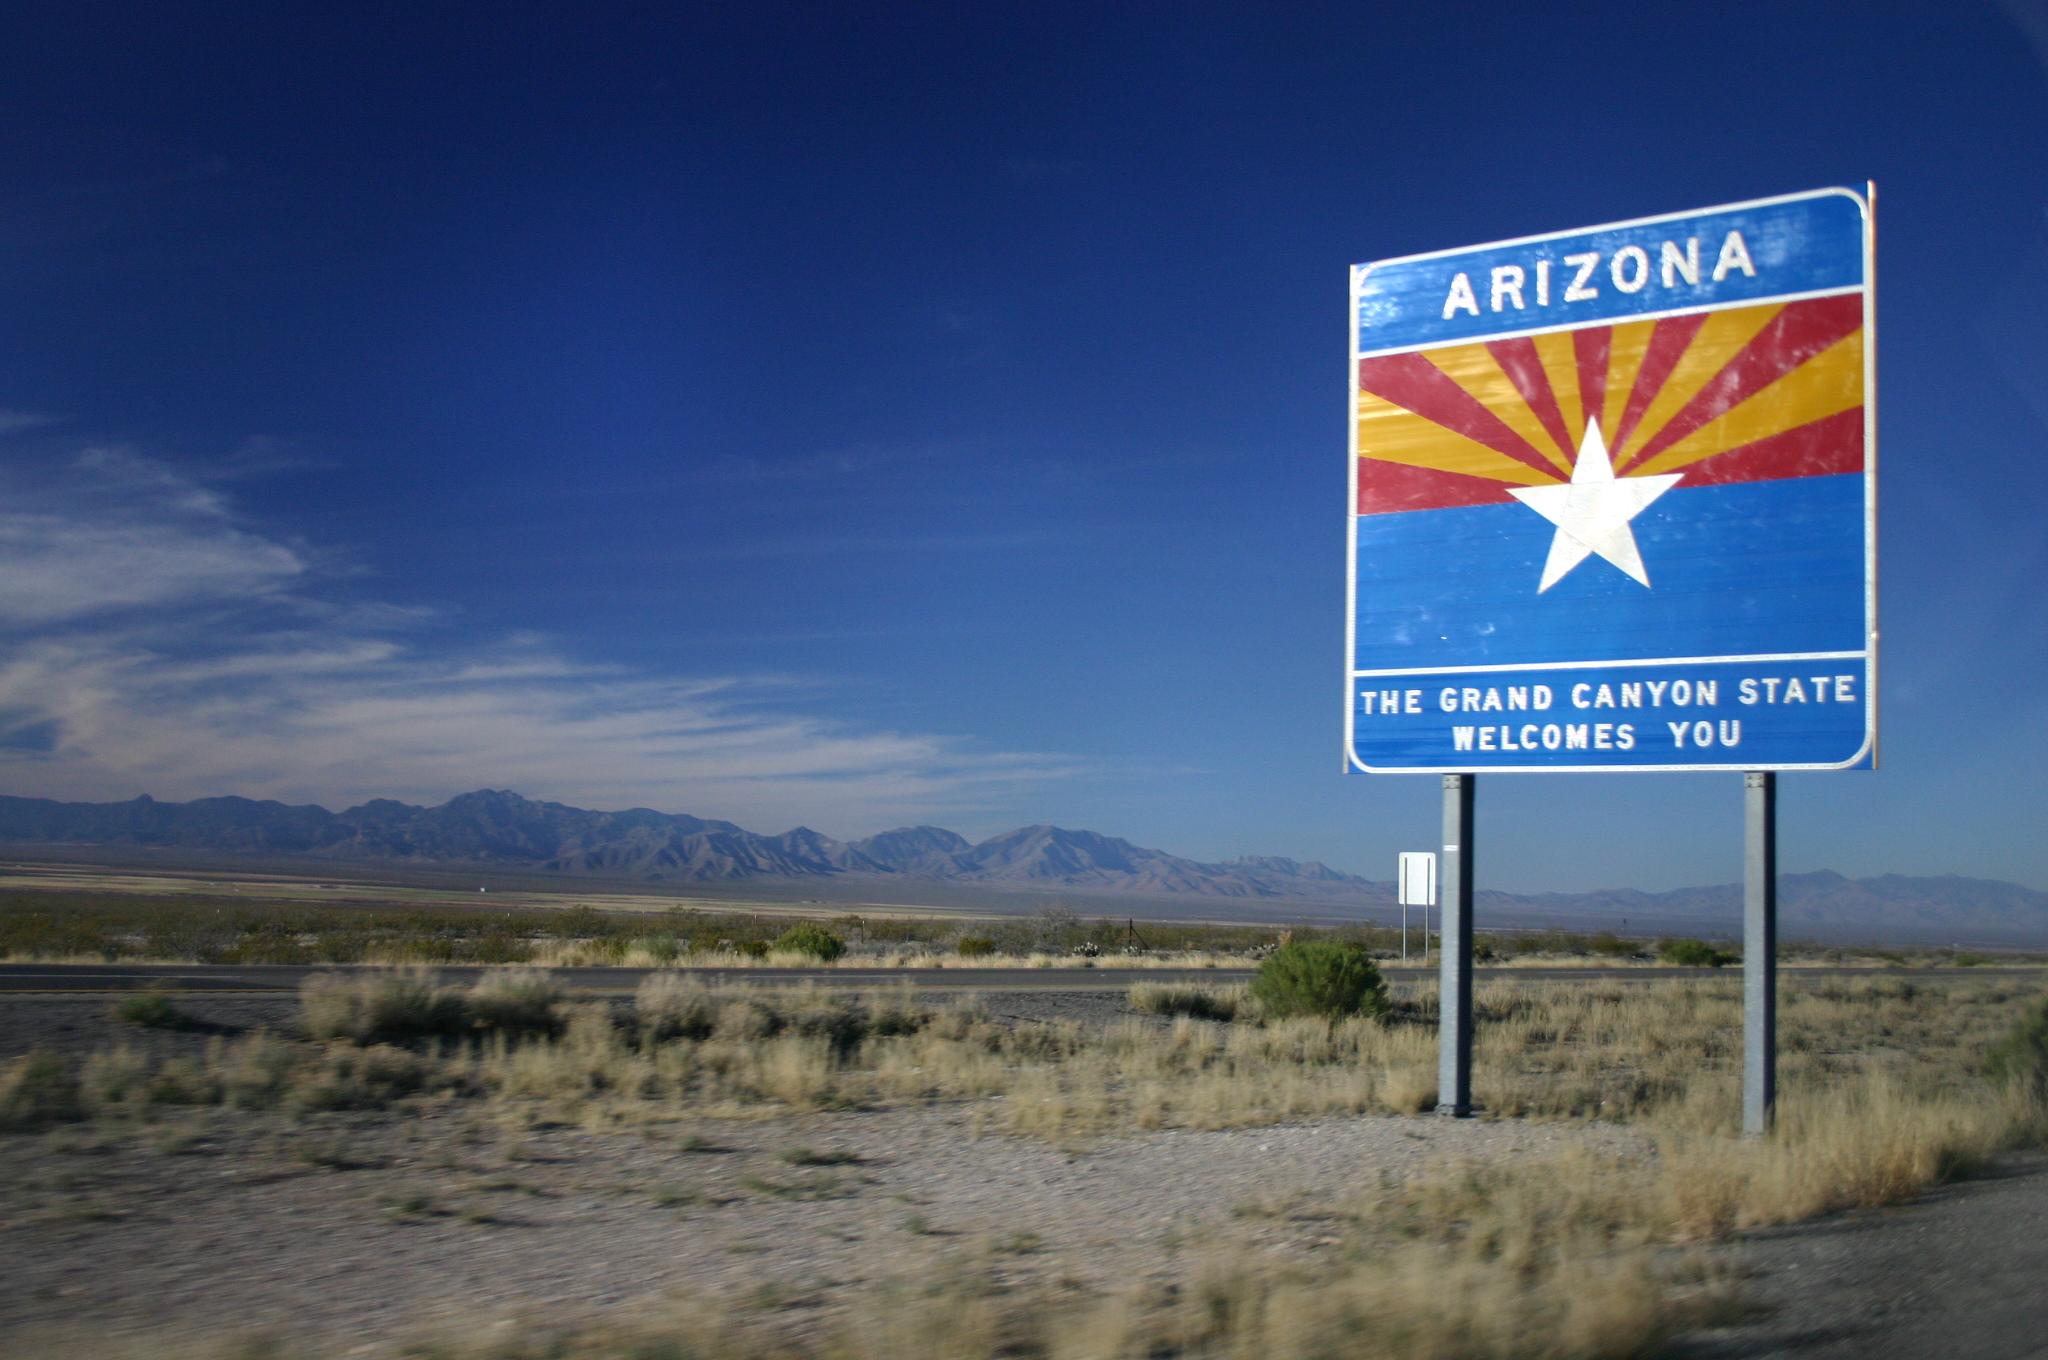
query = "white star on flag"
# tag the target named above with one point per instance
(1592, 512)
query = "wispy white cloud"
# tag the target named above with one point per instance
(151, 640)
(116, 532)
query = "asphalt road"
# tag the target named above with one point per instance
(1961, 1273)
(193, 977)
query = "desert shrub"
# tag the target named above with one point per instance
(663, 949)
(746, 1018)
(517, 1002)
(501, 947)
(753, 949)
(2021, 1058)
(1192, 999)
(580, 923)
(1611, 945)
(152, 1009)
(669, 1006)
(381, 1007)
(975, 946)
(896, 1012)
(113, 1077)
(183, 1081)
(817, 1015)
(1319, 977)
(257, 1073)
(37, 1090)
(358, 1079)
(812, 940)
(1693, 954)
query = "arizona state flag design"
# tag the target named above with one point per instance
(1612, 496)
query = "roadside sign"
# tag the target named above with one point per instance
(1418, 878)
(1613, 498)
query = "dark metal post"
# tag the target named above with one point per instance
(1454, 989)
(1759, 952)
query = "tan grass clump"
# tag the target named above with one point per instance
(374, 1006)
(516, 1002)
(1197, 1000)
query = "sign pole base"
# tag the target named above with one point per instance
(1454, 987)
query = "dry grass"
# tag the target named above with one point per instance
(961, 1307)
(1196, 1000)
(1570, 1255)
(1667, 1057)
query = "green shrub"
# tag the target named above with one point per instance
(810, 939)
(1693, 954)
(753, 949)
(152, 1009)
(38, 1090)
(1319, 977)
(975, 946)
(1612, 945)
(2021, 1058)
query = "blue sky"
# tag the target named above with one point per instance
(857, 415)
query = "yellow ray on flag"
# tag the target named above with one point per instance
(1626, 345)
(1474, 368)
(1827, 384)
(1720, 339)
(1395, 434)
(1561, 367)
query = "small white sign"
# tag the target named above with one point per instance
(1418, 878)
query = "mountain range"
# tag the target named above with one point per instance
(502, 829)
(498, 827)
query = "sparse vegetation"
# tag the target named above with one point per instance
(203, 928)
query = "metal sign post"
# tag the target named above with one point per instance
(1613, 504)
(1454, 978)
(1759, 952)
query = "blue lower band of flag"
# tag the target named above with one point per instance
(1744, 569)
